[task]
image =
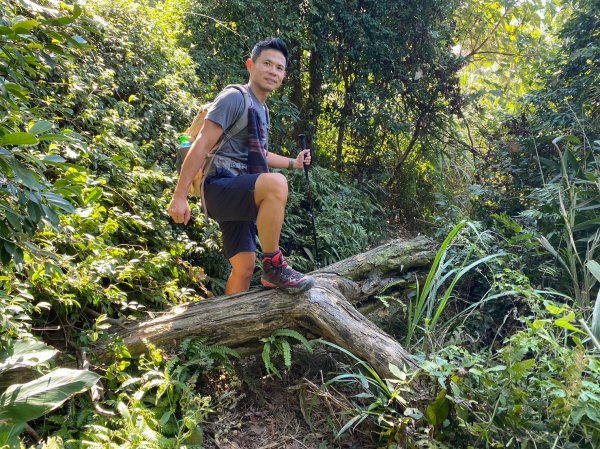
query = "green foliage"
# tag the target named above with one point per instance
(570, 77)
(21, 403)
(25, 353)
(156, 399)
(33, 40)
(348, 216)
(278, 343)
(540, 389)
(116, 253)
(430, 300)
(594, 268)
(578, 191)
(382, 400)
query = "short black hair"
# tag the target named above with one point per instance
(273, 43)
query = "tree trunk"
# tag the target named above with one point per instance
(327, 310)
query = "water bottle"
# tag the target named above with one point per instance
(184, 141)
(184, 147)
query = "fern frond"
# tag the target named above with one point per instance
(199, 346)
(286, 351)
(293, 334)
(266, 355)
(223, 352)
(185, 344)
(171, 363)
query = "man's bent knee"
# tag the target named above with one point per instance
(242, 274)
(242, 265)
(272, 182)
(271, 185)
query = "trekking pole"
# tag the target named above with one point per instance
(303, 146)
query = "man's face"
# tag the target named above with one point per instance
(268, 71)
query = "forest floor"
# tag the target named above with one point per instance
(295, 412)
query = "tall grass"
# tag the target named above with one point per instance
(578, 202)
(430, 301)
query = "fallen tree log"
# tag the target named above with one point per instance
(327, 310)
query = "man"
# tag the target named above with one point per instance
(242, 201)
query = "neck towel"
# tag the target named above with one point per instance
(257, 154)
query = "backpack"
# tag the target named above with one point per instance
(240, 124)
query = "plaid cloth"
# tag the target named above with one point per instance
(257, 154)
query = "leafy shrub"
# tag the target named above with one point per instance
(348, 218)
(539, 390)
(21, 403)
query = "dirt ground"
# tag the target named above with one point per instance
(294, 412)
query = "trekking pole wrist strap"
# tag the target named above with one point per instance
(291, 163)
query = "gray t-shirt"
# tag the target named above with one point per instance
(225, 111)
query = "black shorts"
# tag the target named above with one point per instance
(230, 201)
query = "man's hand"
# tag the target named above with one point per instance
(302, 159)
(179, 210)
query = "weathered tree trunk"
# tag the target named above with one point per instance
(327, 310)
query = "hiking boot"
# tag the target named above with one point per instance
(278, 274)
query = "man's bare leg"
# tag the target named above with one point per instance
(270, 196)
(242, 269)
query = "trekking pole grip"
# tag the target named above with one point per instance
(302, 139)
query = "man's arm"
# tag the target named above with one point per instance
(207, 139)
(277, 161)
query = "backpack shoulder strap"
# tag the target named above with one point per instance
(242, 121)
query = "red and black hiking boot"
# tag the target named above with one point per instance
(278, 274)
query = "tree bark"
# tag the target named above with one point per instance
(327, 310)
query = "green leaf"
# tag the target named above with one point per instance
(554, 310)
(355, 421)
(18, 138)
(5, 256)
(41, 127)
(519, 369)
(25, 353)
(77, 41)
(54, 159)
(594, 268)
(9, 435)
(14, 251)
(24, 26)
(24, 402)
(17, 90)
(14, 218)
(596, 318)
(61, 21)
(26, 175)
(437, 412)
(35, 211)
(53, 137)
(59, 201)
(51, 216)
(565, 322)
(165, 418)
(397, 372)
(587, 224)
(77, 11)
(566, 138)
